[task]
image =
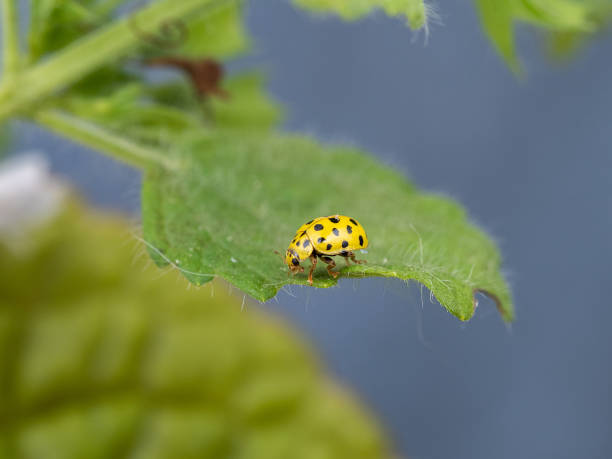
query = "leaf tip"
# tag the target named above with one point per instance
(505, 310)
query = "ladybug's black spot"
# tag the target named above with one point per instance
(306, 243)
(308, 223)
(318, 227)
(361, 240)
(329, 246)
(349, 229)
(297, 243)
(295, 262)
(344, 244)
(303, 232)
(336, 232)
(321, 239)
(354, 222)
(334, 219)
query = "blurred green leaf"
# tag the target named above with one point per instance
(239, 198)
(102, 358)
(248, 107)
(218, 32)
(414, 11)
(159, 115)
(215, 31)
(566, 20)
(118, 108)
(565, 43)
(560, 16)
(56, 23)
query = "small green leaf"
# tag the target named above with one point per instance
(104, 46)
(105, 359)
(565, 43)
(239, 198)
(159, 115)
(414, 11)
(217, 33)
(499, 16)
(248, 106)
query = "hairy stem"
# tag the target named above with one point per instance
(102, 140)
(89, 53)
(10, 37)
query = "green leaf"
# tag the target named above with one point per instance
(56, 23)
(239, 198)
(155, 117)
(215, 31)
(566, 43)
(218, 33)
(100, 361)
(104, 46)
(498, 18)
(248, 107)
(117, 109)
(414, 11)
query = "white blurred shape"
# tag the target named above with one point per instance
(29, 195)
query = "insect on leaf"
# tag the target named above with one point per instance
(238, 199)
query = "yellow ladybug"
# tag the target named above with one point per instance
(322, 238)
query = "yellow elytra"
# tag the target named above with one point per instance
(323, 238)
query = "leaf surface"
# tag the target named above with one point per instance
(238, 199)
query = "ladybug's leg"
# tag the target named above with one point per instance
(351, 255)
(313, 260)
(330, 265)
(345, 255)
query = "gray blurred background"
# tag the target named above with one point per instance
(530, 160)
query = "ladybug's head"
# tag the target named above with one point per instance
(293, 261)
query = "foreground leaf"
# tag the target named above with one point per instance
(101, 358)
(415, 11)
(240, 198)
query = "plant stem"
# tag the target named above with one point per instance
(102, 140)
(10, 37)
(89, 53)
